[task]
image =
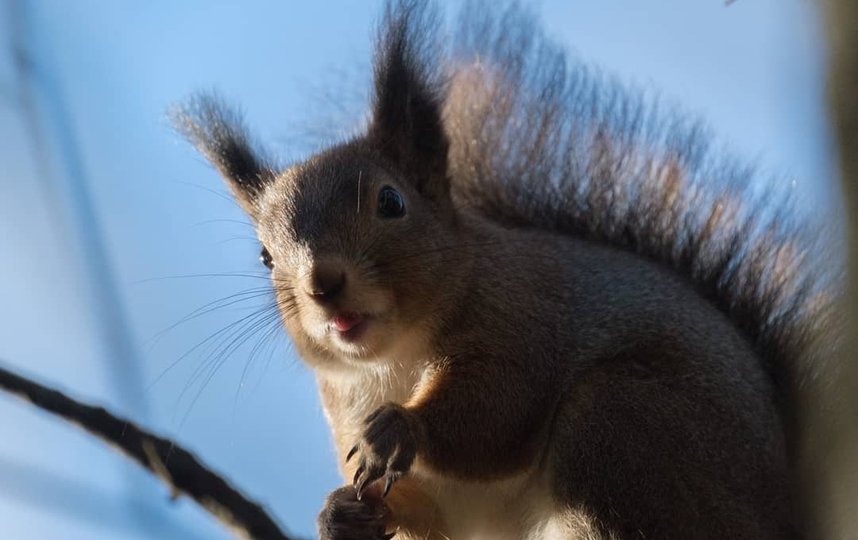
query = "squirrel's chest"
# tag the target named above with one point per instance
(350, 396)
(509, 509)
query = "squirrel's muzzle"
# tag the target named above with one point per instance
(327, 281)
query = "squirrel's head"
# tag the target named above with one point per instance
(358, 237)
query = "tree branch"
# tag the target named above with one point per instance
(179, 469)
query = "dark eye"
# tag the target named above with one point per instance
(390, 203)
(266, 259)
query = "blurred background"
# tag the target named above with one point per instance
(129, 278)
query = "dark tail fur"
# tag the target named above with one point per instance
(539, 141)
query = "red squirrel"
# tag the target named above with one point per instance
(535, 307)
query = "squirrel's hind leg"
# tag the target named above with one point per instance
(651, 445)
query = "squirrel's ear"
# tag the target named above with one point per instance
(219, 134)
(406, 122)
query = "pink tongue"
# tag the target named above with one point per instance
(344, 323)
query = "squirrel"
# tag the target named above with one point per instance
(535, 307)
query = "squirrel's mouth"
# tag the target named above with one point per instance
(349, 326)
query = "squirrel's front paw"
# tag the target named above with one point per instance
(344, 516)
(387, 448)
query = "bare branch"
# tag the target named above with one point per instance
(179, 469)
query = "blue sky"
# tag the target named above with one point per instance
(104, 73)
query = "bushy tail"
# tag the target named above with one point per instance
(539, 141)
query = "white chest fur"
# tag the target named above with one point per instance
(350, 394)
(519, 507)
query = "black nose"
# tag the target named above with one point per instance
(327, 283)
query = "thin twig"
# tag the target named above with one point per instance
(179, 469)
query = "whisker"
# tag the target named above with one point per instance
(236, 239)
(213, 221)
(219, 194)
(227, 346)
(220, 303)
(196, 347)
(266, 276)
(272, 327)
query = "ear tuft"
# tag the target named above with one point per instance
(406, 118)
(218, 133)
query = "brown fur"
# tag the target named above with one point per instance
(522, 373)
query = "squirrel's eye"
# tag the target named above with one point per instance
(390, 203)
(266, 259)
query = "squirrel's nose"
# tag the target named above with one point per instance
(326, 283)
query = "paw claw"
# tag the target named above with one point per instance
(387, 447)
(389, 478)
(360, 487)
